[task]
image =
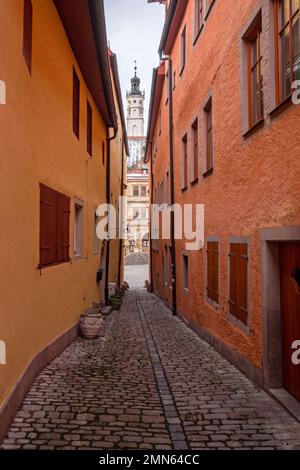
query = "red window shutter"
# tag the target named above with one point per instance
(243, 283)
(233, 297)
(48, 220)
(215, 249)
(63, 228)
(89, 129)
(76, 104)
(210, 274)
(27, 33)
(213, 271)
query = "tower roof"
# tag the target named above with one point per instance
(135, 83)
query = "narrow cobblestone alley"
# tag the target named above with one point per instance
(149, 382)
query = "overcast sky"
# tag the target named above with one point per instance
(134, 29)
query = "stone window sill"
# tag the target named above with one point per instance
(254, 128)
(281, 107)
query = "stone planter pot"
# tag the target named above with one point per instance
(116, 301)
(90, 324)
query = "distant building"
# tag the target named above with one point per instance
(135, 122)
(137, 210)
(137, 172)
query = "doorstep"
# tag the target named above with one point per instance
(287, 401)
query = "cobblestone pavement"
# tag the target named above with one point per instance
(137, 258)
(148, 382)
(136, 275)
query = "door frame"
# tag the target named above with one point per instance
(272, 340)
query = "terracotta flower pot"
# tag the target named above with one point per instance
(90, 324)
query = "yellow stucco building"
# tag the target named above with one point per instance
(63, 140)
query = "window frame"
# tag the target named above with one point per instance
(183, 50)
(89, 128)
(184, 162)
(254, 34)
(278, 65)
(195, 151)
(185, 273)
(208, 141)
(27, 33)
(76, 104)
(199, 12)
(78, 230)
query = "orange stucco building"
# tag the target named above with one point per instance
(63, 144)
(224, 132)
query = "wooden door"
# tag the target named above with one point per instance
(290, 314)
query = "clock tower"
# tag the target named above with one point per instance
(135, 122)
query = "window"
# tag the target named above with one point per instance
(145, 242)
(238, 296)
(89, 129)
(213, 271)
(208, 125)
(167, 189)
(195, 155)
(198, 16)
(167, 86)
(183, 50)
(54, 227)
(27, 34)
(165, 263)
(287, 28)
(159, 122)
(96, 239)
(143, 191)
(143, 213)
(78, 230)
(76, 103)
(170, 266)
(185, 272)
(136, 191)
(184, 162)
(255, 77)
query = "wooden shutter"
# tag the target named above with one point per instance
(27, 33)
(243, 283)
(48, 221)
(89, 129)
(63, 228)
(233, 298)
(238, 300)
(210, 275)
(213, 271)
(76, 104)
(215, 248)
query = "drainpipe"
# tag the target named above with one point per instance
(150, 227)
(108, 141)
(121, 193)
(171, 150)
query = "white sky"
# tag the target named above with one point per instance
(134, 30)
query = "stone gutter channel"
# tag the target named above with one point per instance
(174, 423)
